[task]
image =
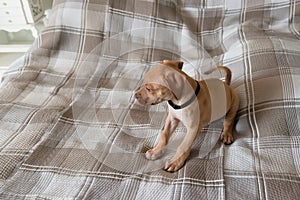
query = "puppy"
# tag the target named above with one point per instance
(194, 103)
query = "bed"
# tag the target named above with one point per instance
(70, 128)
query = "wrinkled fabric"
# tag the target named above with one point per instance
(70, 128)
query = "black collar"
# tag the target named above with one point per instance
(176, 107)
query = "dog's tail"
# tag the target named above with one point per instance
(224, 69)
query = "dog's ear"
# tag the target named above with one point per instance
(173, 63)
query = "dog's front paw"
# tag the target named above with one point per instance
(154, 153)
(177, 162)
(226, 137)
(174, 164)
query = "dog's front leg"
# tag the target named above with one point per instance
(170, 126)
(183, 151)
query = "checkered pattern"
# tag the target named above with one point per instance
(70, 130)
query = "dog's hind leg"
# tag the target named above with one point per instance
(226, 135)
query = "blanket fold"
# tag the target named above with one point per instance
(70, 129)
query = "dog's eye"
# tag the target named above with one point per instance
(148, 89)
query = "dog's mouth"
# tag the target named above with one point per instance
(157, 101)
(142, 101)
(145, 102)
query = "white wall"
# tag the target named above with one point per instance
(15, 44)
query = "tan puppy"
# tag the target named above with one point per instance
(194, 103)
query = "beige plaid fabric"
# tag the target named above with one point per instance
(70, 130)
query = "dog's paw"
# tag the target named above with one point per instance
(226, 138)
(154, 154)
(174, 165)
(177, 161)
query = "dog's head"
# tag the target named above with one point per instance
(160, 83)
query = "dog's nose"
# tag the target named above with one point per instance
(137, 94)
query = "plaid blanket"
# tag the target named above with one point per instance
(70, 129)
